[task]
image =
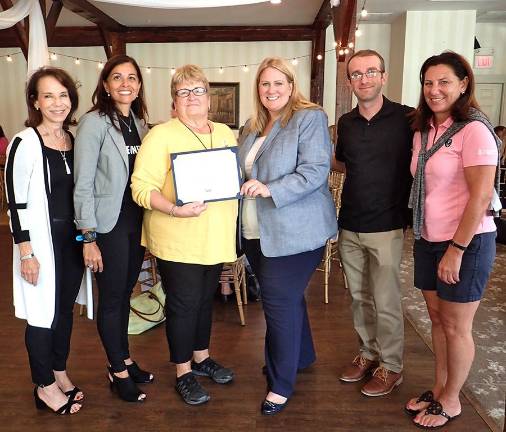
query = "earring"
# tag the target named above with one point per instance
(463, 91)
(108, 94)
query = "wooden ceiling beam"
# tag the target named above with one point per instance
(344, 19)
(324, 16)
(19, 31)
(52, 19)
(88, 11)
(91, 35)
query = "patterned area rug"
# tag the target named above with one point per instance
(486, 385)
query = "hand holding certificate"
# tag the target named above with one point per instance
(206, 175)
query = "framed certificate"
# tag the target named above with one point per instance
(206, 175)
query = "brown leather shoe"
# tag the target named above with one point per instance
(383, 381)
(358, 369)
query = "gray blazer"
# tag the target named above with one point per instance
(294, 163)
(100, 171)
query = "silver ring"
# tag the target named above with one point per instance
(90, 266)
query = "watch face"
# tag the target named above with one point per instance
(90, 236)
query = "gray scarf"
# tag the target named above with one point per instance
(417, 196)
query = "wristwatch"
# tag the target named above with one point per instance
(87, 237)
(458, 246)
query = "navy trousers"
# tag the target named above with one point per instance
(288, 340)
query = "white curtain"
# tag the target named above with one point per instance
(37, 44)
(182, 4)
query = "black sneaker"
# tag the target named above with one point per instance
(213, 370)
(190, 390)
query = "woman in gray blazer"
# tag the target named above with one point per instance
(285, 155)
(108, 139)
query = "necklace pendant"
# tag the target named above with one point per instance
(67, 168)
(129, 130)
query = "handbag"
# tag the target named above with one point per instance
(147, 310)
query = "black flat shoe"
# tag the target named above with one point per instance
(63, 410)
(138, 375)
(126, 388)
(213, 370)
(272, 408)
(71, 394)
(190, 390)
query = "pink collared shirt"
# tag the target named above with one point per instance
(446, 192)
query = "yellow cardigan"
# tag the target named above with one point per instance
(206, 239)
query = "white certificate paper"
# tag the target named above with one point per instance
(206, 175)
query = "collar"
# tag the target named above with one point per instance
(385, 109)
(445, 125)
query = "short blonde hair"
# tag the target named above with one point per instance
(187, 73)
(296, 101)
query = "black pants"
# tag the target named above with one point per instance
(189, 290)
(288, 340)
(48, 348)
(122, 256)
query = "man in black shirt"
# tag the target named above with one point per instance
(374, 148)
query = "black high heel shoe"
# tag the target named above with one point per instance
(126, 387)
(64, 409)
(71, 394)
(138, 375)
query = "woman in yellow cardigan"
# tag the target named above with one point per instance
(191, 241)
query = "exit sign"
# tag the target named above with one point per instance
(483, 61)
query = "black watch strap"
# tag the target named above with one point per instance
(458, 246)
(89, 236)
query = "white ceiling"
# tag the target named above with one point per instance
(289, 12)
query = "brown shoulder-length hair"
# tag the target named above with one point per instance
(32, 93)
(295, 103)
(460, 109)
(104, 103)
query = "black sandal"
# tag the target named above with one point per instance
(126, 387)
(64, 409)
(71, 394)
(138, 375)
(427, 396)
(435, 408)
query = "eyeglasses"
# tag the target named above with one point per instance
(371, 73)
(197, 91)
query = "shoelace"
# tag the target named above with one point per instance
(381, 373)
(188, 384)
(360, 361)
(210, 366)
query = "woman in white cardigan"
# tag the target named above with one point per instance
(47, 259)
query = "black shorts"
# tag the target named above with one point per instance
(475, 269)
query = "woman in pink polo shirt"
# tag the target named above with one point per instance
(454, 163)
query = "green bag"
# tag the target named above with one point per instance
(147, 310)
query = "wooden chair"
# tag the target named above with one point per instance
(336, 182)
(235, 273)
(152, 276)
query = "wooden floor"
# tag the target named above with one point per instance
(321, 402)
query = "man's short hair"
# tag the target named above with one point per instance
(366, 53)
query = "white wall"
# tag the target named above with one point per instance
(157, 83)
(493, 35)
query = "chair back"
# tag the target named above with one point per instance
(336, 182)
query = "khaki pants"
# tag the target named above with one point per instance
(371, 262)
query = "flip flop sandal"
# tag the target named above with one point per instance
(435, 408)
(427, 396)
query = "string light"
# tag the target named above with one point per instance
(295, 62)
(148, 70)
(172, 71)
(9, 59)
(351, 45)
(319, 57)
(54, 56)
(245, 68)
(100, 65)
(77, 61)
(346, 51)
(341, 52)
(358, 32)
(335, 44)
(274, 2)
(221, 70)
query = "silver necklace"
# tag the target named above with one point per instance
(62, 152)
(128, 125)
(196, 136)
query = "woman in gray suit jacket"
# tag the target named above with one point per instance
(108, 139)
(285, 155)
